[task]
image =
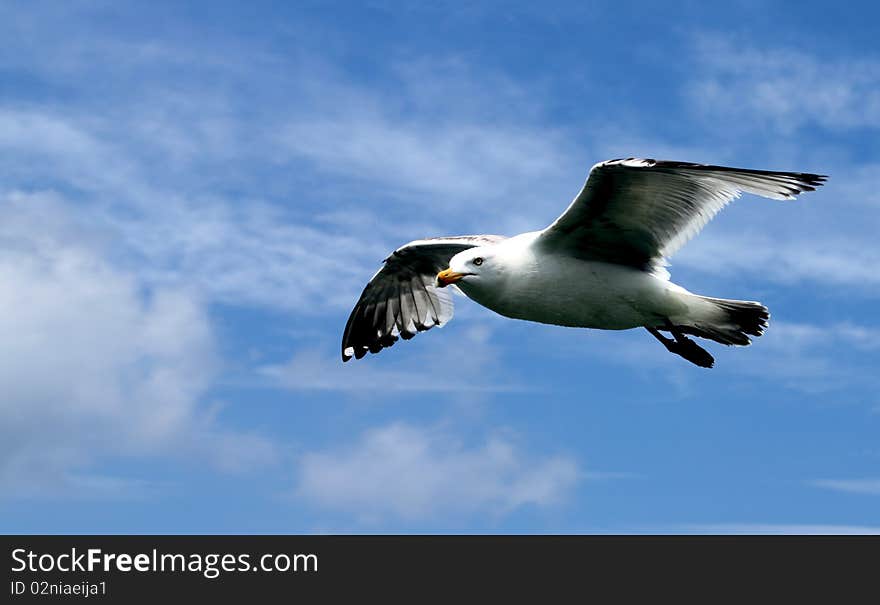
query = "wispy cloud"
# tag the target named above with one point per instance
(468, 164)
(831, 260)
(801, 357)
(164, 177)
(402, 471)
(778, 528)
(465, 361)
(854, 486)
(784, 88)
(807, 357)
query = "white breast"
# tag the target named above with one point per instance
(565, 291)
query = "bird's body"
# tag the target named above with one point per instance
(593, 294)
(599, 265)
(587, 294)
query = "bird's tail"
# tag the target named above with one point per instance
(730, 322)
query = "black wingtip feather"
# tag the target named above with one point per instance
(399, 301)
(806, 179)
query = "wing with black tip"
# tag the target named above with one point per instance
(402, 298)
(638, 211)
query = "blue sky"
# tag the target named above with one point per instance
(192, 196)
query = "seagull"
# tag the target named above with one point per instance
(601, 264)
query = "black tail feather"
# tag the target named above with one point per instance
(740, 319)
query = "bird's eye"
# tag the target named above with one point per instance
(478, 261)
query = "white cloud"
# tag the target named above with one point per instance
(779, 528)
(464, 163)
(784, 88)
(439, 141)
(403, 471)
(808, 357)
(855, 486)
(95, 364)
(458, 360)
(793, 336)
(250, 254)
(831, 260)
(55, 148)
(157, 176)
(244, 251)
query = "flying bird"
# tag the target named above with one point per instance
(601, 264)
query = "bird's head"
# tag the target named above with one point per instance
(468, 267)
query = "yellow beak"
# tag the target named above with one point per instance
(448, 276)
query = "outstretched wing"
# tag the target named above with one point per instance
(636, 211)
(402, 298)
